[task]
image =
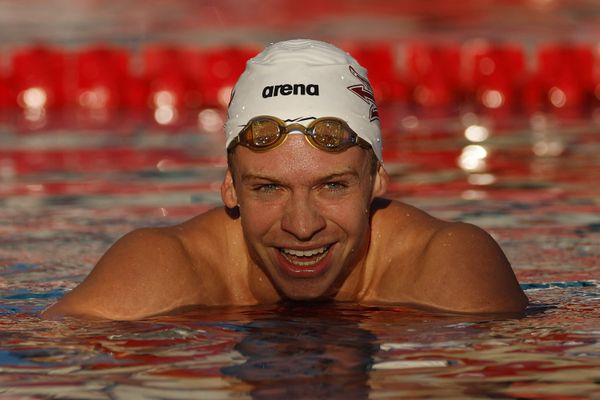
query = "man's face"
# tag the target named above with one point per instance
(304, 213)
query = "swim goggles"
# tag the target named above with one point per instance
(328, 133)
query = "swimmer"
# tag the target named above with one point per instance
(303, 217)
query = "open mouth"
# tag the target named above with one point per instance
(305, 258)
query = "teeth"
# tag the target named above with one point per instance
(305, 258)
(293, 256)
(305, 253)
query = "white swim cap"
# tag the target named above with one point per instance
(300, 80)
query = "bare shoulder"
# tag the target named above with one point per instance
(464, 269)
(148, 271)
(402, 228)
(449, 266)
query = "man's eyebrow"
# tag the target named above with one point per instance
(349, 172)
(352, 174)
(340, 175)
(255, 177)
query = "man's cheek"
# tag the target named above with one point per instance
(257, 223)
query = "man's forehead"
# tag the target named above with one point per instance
(296, 161)
(351, 161)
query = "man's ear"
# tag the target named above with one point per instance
(228, 194)
(382, 179)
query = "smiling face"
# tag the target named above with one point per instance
(304, 213)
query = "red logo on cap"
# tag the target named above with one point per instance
(365, 92)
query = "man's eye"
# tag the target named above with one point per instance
(267, 188)
(335, 186)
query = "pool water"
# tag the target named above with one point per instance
(533, 183)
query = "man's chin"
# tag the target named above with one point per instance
(305, 292)
(308, 301)
(320, 298)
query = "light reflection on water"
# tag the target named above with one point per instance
(321, 351)
(543, 211)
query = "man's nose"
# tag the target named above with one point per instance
(302, 218)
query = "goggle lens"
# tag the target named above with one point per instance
(330, 134)
(264, 132)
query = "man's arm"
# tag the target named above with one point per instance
(462, 269)
(146, 272)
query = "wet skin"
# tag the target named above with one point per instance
(300, 224)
